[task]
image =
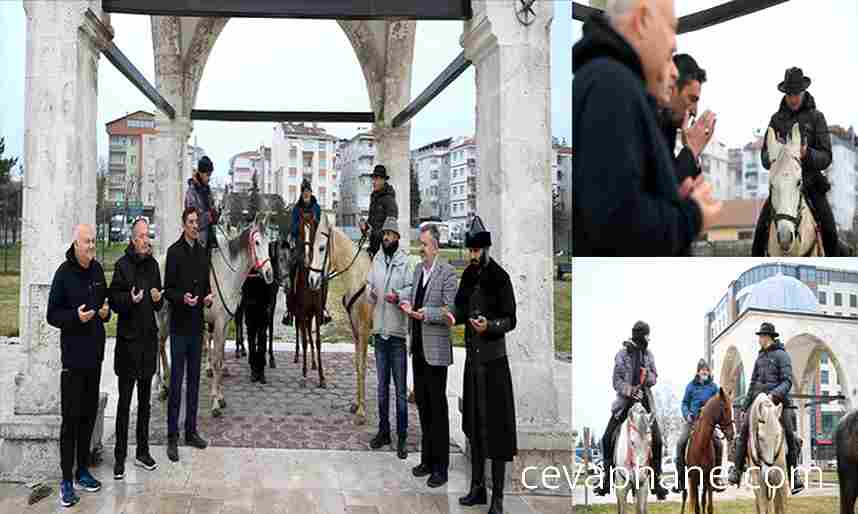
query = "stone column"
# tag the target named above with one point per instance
(170, 144)
(63, 40)
(512, 62)
(170, 179)
(393, 144)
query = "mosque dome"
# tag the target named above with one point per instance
(781, 293)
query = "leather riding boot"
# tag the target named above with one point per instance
(498, 475)
(761, 232)
(477, 495)
(604, 488)
(738, 468)
(718, 481)
(657, 446)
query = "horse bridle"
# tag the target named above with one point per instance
(795, 220)
(257, 264)
(780, 447)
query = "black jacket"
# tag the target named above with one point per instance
(684, 163)
(488, 293)
(81, 344)
(814, 133)
(187, 271)
(137, 331)
(625, 199)
(382, 204)
(772, 374)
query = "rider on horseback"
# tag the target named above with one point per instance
(382, 205)
(306, 205)
(634, 375)
(798, 106)
(773, 376)
(697, 393)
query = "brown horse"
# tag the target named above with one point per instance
(308, 303)
(846, 439)
(718, 411)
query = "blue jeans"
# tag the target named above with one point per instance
(390, 358)
(184, 351)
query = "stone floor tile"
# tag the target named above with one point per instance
(549, 504)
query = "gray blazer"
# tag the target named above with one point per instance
(440, 291)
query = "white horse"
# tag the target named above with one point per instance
(632, 455)
(767, 456)
(335, 253)
(230, 264)
(793, 231)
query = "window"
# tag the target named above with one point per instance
(823, 358)
(134, 160)
(822, 298)
(853, 301)
(838, 299)
(323, 163)
(823, 378)
(434, 174)
(293, 172)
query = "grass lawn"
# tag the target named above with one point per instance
(815, 505)
(10, 291)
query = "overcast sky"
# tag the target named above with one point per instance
(672, 295)
(279, 65)
(745, 59)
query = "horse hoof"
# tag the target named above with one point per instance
(272, 364)
(360, 420)
(243, 352)
(209, 373)
(323, 385)
(353, 408)
(216, 412)
(237, 355)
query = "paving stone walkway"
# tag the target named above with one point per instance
(288, 412)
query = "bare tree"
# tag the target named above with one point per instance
(668, 412)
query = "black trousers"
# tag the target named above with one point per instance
(79, 406)
(256, 320)
(144, 395)
(792, 446)
(824, 216)
(430, 393)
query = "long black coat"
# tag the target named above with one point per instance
(814, 133)
(136, 331)
(382, 205)
(625, 200)
(488, 412)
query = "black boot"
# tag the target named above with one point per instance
(477, 495)
(173, 447)
(738, 468)
(498, 473)
(401, 447)
(759, 247)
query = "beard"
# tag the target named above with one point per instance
(390, 248)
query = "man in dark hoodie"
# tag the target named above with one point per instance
(199, 196)
(627, 200)
(798, 106)
(634, 375)
(382, 205)
(188, 289)
(78, 306)
(772, 375)
(684, 97)
(136, 295)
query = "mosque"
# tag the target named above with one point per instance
(815, 311)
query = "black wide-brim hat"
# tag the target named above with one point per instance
(380, 171)
(767, 329)
(794, 82)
